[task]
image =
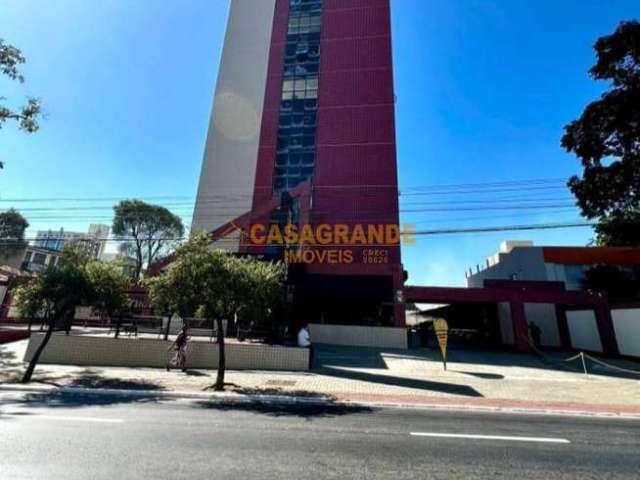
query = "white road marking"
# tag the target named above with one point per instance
(62, 418)
(490, 437)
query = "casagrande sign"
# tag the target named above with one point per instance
(333, 243)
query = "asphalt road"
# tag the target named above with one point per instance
(94, 437)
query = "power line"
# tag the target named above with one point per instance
(485, 229)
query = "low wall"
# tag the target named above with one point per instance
(626, 323)
(86, 350)
(358, 336)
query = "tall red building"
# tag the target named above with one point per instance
(303, 133)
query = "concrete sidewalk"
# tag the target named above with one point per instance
(474, 379)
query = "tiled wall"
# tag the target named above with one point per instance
(100, 351)
(380, 337)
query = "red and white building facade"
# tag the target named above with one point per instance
(304, 109)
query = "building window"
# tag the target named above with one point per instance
(298, 110)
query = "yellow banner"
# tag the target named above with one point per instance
(441, 328)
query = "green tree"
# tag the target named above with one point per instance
(606, 138)
(12, 228)
(57, 292)
(27, 115)
(217, 285)
(618, 284)
(76, 280)
(108, 290)
(148, 231)
(621, 230)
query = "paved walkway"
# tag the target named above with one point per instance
(361, 374)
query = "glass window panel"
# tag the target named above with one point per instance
(308, 141)
(286, 105)
(294, 159)
(311, 104)
(290, 50)
(287, 95)
(283, 143)
(298, 106)
(308, 158)
(281, 159)
(293, 171)
(297, 119)
(287, 85)
(285, 120)
(312, 94)
(309, 119)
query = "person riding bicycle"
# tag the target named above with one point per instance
(179, 346)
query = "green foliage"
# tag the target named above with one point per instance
(108, 288)
(617, 283)
(26, 116)
(76, 280)
(214, 283)
(606, 137)
(621, 230)
(148, 231)
(57, 291)
(12, 228)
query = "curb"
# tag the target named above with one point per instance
(320, 402)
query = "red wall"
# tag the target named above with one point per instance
(269, 127)
(356, 174)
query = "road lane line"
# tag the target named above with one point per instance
(62, 418)
(490, 437)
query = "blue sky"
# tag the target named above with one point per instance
(483, 91)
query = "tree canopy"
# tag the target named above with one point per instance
(217, 285)
(27, 115)
(56, 292)
(147, 231)
(12, 228)
(606, 137)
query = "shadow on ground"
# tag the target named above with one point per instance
(306, 411)
(423, 385)
(484, 376)
(329, 356)
(10, 367)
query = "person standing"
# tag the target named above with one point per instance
(536, 334)
(304, 341)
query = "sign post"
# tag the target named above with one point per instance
(441, 327)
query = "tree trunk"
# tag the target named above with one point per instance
(36, 357)
(30, 323)
(166, 332)
(219, 386)
(118, 324)
(69, 317)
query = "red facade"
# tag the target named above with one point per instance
(355, 178)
